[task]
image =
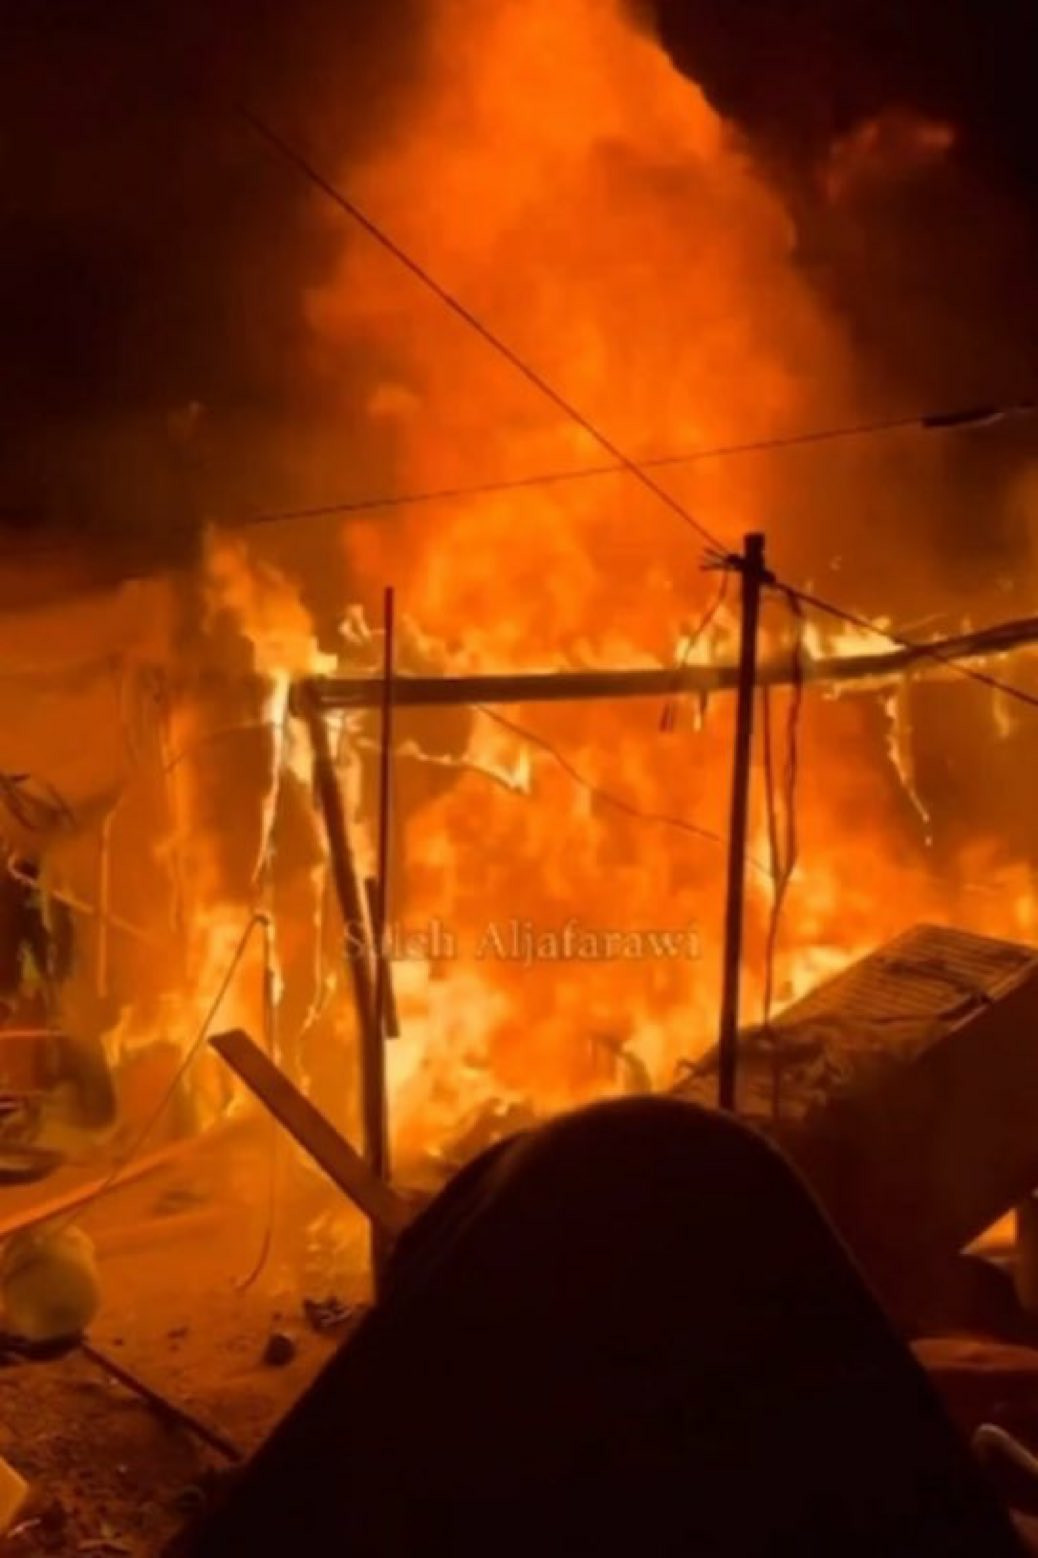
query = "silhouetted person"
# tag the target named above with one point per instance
(629, 1332)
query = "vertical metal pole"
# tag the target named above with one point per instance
(343, 873)
(392, 1016)
(380, 919)
(753, 576)
(379, 1244)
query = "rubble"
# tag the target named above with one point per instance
(281, 1349)
(906, 1091)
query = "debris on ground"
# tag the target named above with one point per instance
(326, 1316)
(280, 1350)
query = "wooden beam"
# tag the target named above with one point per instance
(83, 1194)
(878, 668)
(358, 949)
(161, 1405)
(753, 576)
(315, 1134)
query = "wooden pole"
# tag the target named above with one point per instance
(751, 568)
(160, 1404)
(391, 1025)
(359, 952)
(315, 1134)
(361, 958)
(376, 1097)
(385, 803)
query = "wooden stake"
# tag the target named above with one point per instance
(380, 1130)
(317, 1136)
(359, 951)
(391, 1026)
(161, 1404)
(751, 568)
(375, 1103)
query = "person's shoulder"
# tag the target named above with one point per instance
(1027, 1530)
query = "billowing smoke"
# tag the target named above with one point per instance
(159, 367)
(906, 151)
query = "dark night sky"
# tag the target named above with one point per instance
(802, 72)
(152, 254)
(940, 280)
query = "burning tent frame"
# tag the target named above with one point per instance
(364, 1176)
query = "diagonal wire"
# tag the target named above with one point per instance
(933, 652)
(190, 1054)
(373, 503)
(307, 169)
(617, 801)
(926, 421)
(669, 715)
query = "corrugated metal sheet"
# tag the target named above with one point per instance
(929, 973)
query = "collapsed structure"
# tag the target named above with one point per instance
(906, 1089)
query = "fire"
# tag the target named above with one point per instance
(563, 180)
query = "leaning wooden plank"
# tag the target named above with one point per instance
(361, 955)
(79, 1195)
(878, 668)
(341, 1162)
(161, 1405)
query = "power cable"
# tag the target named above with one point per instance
(465, 314)
(668, 717)
(369, 505)
(926, 421)
(932, 652)
(619, 802)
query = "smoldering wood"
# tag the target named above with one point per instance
(908, 1096)
(315, 1134)
(878, 669)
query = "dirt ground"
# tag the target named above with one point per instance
(175, 1250)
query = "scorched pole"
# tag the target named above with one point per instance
(750, 567)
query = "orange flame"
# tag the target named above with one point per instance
(559, 176)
